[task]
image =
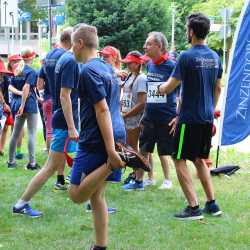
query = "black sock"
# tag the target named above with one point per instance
(98, 248)
(195, 207)
(60, 179)
(138, 182)
(210, 202)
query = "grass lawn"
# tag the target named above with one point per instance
(144, 220)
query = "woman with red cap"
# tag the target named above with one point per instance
(4, 98)
(24, 106)
(112, 56)
(134, 97)
(14, 65)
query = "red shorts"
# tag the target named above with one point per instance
(47, 112)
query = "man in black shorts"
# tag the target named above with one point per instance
(160, 110)
(199, 69)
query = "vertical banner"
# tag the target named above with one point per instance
(235, 122)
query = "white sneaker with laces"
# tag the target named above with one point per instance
(166, 184)
(149, 182)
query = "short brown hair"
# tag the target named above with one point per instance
(87, 33)
(65, 36)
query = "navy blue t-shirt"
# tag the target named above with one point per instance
(28, 76)
(66, 76)
(198, 68)
(159, 108)
(43, 75)
(49, 68)
(98, 81)
(5, 88)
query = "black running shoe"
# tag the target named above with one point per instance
(212, 209)
(189, 214)
(131, 177)
(32, 167)
(11, 165)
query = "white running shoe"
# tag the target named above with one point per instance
(149, 182)
(166, 184)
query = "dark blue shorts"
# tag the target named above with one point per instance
(86, 162)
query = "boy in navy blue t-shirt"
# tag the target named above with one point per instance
(199, 69)
(65, 94)
(101, 126)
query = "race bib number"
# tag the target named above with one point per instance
(126, 102)
(153, 96)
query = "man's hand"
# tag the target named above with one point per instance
(20, 111)
(122, 74)
(115, 161)
(6, 108)
(173, 124)
(124, 115)
(73, 134)
(40, 100)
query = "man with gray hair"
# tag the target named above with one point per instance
(160, 110)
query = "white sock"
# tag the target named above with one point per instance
(20, 203)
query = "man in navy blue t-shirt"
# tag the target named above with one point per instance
(50, 62)
(160, 110)
(101, 126)
(65, 94)
(199, 69)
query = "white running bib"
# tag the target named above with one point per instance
(153, 96)
(126, 102)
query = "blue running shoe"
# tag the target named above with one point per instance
(212, 208)
(19, 156)
(59, 186)
(189, 214)
(27, 210)
(133, 186)
(111, 210)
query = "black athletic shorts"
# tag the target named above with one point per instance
(156, 133)
(192, 141)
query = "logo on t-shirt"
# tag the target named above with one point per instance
(208, 63)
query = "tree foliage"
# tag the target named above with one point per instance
(183, 9)
(121, 23)
(212, 8)
(31, 6)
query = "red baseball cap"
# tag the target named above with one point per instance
(14, 57)
(131, 58)
(109, 50)
(3, 69)
(145, 58)
(28, 53)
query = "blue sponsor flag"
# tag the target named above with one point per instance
(235, 125)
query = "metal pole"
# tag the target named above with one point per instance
(12, 32)
(50, 24)
(225, 21)
(7, 30)
(217, 156)
(21, 35)
(173, 27)
(39, 36)
(0, 12)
